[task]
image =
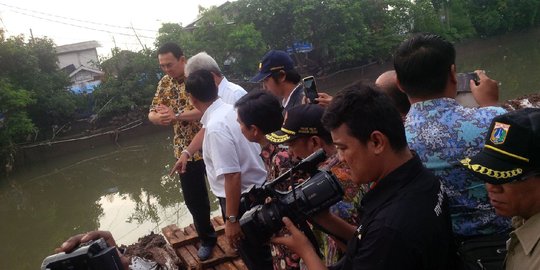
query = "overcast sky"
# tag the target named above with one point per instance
(106, 21)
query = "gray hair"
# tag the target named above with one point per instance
(202, 61)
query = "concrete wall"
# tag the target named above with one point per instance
(78, 58)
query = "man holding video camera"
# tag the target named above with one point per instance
(304, 134)
(403, 222)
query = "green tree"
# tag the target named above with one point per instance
(33, 66)
(15, 125)
(129, 85)
(245, 47)
(173, 32)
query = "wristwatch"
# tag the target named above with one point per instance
(231, 219)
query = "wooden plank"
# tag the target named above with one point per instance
(239, 264)
(185, 242)
(175, 235)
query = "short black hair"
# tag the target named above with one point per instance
(261, 109)
(423, 64)
(200, 84)
(291, 76)
(171, 47)
(365, 110)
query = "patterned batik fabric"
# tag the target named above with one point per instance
(347, 209)
(442, 132)
(173, 94)
(276, 160)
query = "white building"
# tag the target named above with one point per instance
(80, 60)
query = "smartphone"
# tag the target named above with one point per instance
(310, 89)
(463, 80)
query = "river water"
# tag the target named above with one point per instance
(126, 189)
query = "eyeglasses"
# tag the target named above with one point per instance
(168, 65)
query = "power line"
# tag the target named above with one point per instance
(77, 20)
(79, 26)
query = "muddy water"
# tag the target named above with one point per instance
(124, 188)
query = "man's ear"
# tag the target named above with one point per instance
(316, 141)
(453, 74)
(378, 142)
(254, 129)
(399, 85)
(282, 76)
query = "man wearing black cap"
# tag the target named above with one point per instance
(304, 133)
(509, 163)
(278, 76)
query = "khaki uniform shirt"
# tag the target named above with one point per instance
(173, 94)
(524, 246)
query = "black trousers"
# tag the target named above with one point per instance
(256, 257)
(193, 183)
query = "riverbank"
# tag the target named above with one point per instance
(63, 146)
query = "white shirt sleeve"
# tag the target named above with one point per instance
(223, 152)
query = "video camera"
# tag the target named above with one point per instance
(320, 191)
(91, 255)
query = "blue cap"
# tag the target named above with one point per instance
(273, 61)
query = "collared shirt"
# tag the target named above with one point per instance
(230, 92)
(524, 246)
(294, 98)
(226, 150)
(443, 132)
(173, 94)
(404, 223)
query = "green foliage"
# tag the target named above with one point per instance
(245, 47)
(493, 17)
(15, 124)
(171, 32)
(129, 86)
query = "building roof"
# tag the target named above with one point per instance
(81, 46)
(87, 69)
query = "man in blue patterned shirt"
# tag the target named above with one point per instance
(441, 131)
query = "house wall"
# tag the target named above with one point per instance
(85, 58)
(83, 76)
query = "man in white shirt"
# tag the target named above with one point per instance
(232, 163)
(229, 92)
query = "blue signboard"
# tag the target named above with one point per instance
(300, 47)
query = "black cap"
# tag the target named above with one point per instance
(511, 149)
(273, 61)
(301, 120)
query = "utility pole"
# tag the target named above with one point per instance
(140, 42)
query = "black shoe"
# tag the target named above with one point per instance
(205, 252)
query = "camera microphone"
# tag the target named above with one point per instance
(311, 162)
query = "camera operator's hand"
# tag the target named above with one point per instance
(234, 234)
(76, 240)
(298, 243)
(486, 93)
